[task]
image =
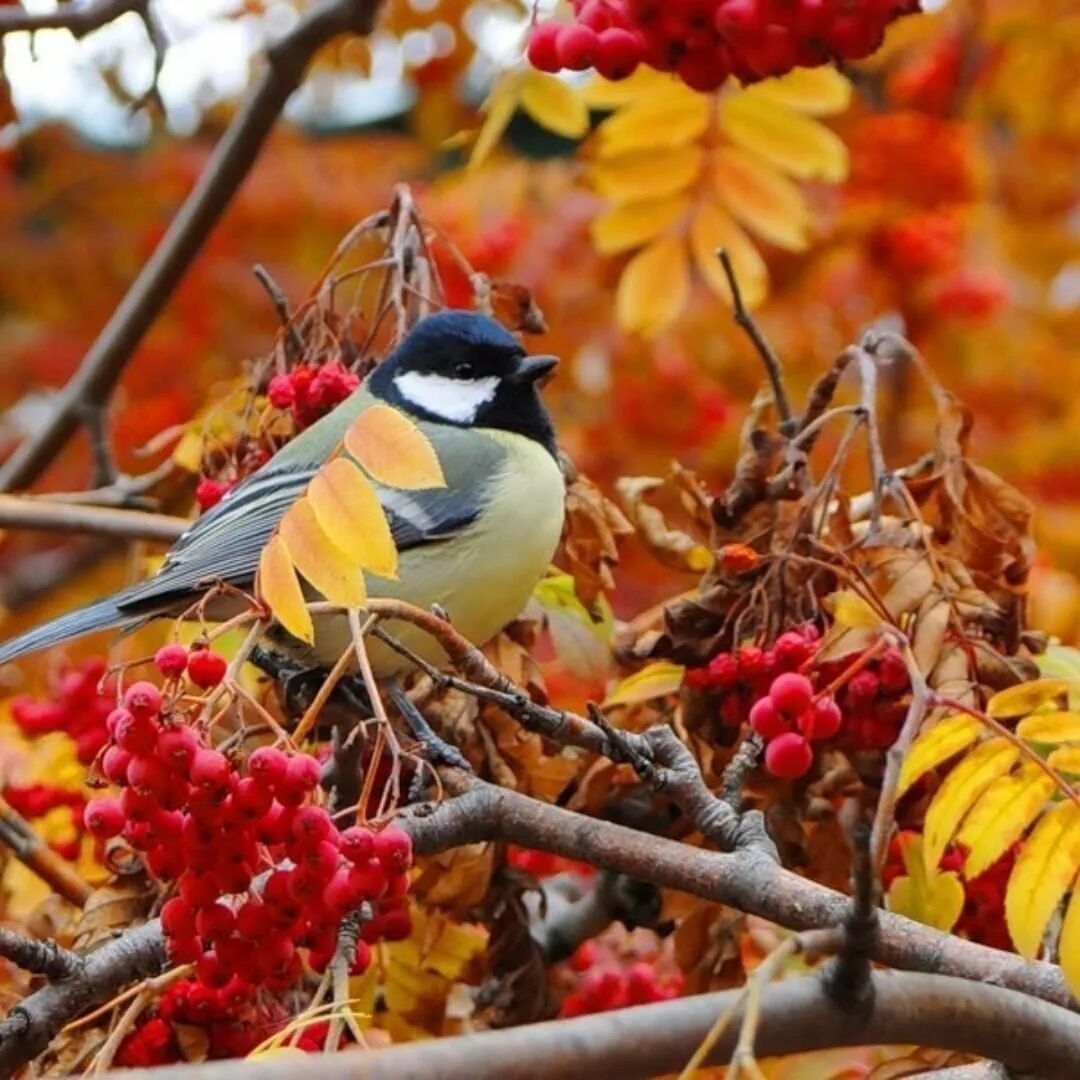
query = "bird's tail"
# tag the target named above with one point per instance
(98, 616)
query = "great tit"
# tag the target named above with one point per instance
(476, 548)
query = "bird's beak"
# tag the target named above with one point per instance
(533, 368)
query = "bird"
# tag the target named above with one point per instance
(474, 549)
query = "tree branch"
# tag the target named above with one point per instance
(80, 19)
(23, 512)
(652, 1040)
(226, 170)
(38, 957)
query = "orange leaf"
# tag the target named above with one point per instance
(279, 588)
(319, 559)
(349, 513)
(712, 229)
(761, 198)
(654, 287)
(630, 224)
(393, 450)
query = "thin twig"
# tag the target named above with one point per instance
(23, 512)
(294, 342)
(25, 844)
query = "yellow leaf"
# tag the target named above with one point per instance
(1002, 815)
(819, 91)
(601, 93)
(646, 174)
(554, 104)
(938, 744)
(348, 511)
(319, 559)
(278, 587)
(393, 450)
(797, 144)
(1060, 662)
(760, 198)
(631, 224)
(498, 111)
(851, 611)
(711, 229)
(1025, 698)
(1069, 942)
(654, 287)
(930, 898)
(657, 679)
(672, 117)
(967, 781)
(1065, 758)
(1046, 866)
(1055, 727)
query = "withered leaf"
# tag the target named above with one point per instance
(671, 547)
(592, 524)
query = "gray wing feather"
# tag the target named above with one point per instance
(226, 542)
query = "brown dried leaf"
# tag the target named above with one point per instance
(592, 524)
(514, 306)
(671, 547)
(930, 630)
(116, 906)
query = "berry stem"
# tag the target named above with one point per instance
(868, 657)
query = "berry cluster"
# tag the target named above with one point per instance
(789, 718)
(201, 822)
(543, 864)
(78, 704)
(608, 981)
(309, 393)
(872, 701)
(705, 41)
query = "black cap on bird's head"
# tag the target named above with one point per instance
(459, 367)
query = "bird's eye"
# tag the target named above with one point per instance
(463, 370)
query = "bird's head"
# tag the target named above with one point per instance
(459, 367)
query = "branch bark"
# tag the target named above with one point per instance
(39, 957)
(232, 159)
(79, 19)
(20, 512)
(652, 1040)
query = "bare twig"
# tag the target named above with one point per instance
(294, 342)
(773, 368)
(28, 513)
(39, 957)
(37, 856)
(79, 19)
(229, 164)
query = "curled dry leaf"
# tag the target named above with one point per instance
(593, 522)
(672, 547)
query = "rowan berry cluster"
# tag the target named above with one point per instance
(872, 701)
(705, 41)
(212, 826)
(789, 718)
(309, 393)
(608, 981)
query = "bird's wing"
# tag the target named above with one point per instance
(226, 542)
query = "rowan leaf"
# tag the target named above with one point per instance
(654, 287)
(319, 559)
(821, 91)
(279, 588)
(631, 224)
(655, 680)
(1045, 868)
(1002, 815)
(1065, 759)
(1069, 942)
(393, 450)
(761, 198)
(797, 144)
(1028, 697)
(1055, 727)
(498, 109)
(935, 745)
(711, 229)
(642, 175)
(555, 105)
(959, 791)
(1061, 662)
(348, 511)
(851, 611)
(923, 894)
(662, 120)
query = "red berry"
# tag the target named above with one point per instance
(397, 925)
(251, 799)
(751, 663)
(143, 699)
(199, 888)
(393, 848)
(211, 972)
(311, 825)
(575, 47)
(206, 669)
(702, 70)
(792, 650)
(136, 734)
(215, 921)
(185, 950)
(788, 756)
(723, 671)
(767, 720)
(362, 960)
(209, 492)
(584, 956)
(821, 721)
(147, 775)
(369, 880)
(178, 918)
(114, 763)
(281, 392)
(791, 693)
(171, 660)
(893, 673)
(209, 769)
(267, 766)
(618, 53)
(541, 49)
(253, 921)
(103, 817)
(862, 690)
(357, 844)
(176, 747)
(342, 894)
(302, 774)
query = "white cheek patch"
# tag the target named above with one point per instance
(458, 400)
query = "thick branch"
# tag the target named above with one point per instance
(28, 513)
(38, 957)
(80, 19)
(651, 1040)
(229, 164)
